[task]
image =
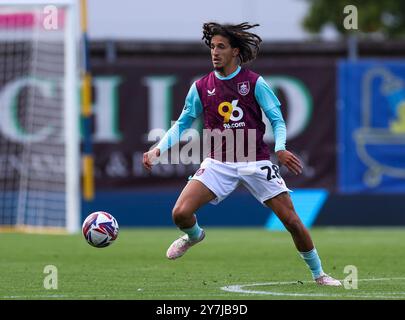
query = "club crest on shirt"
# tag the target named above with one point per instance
(244, 88)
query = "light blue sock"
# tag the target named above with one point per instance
(194, 232)
(314, 263)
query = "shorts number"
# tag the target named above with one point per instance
(272, 172)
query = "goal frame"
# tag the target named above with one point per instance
(71, 111)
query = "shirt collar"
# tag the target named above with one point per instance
(233, 74)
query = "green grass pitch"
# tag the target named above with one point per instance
(252, 263)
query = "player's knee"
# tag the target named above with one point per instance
(293, 224)
(181, 213)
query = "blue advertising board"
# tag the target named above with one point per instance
(371, 137)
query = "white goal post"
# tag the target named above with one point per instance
(39, 116)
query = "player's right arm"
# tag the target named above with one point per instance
(191, 111)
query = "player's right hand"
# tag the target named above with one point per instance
(150, 157)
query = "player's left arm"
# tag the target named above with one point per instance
(271, 107)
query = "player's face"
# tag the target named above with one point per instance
(222, 54)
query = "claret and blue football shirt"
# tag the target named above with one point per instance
(232, 103)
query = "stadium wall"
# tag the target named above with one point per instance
(148, 208)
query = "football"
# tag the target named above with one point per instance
(100, 229)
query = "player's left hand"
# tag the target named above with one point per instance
(289, 160)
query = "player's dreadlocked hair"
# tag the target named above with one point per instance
(247, 42)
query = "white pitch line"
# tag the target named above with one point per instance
(239, 289)
(231, 289)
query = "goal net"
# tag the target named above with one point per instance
(39, 115)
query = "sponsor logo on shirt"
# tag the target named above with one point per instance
(231, 112)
